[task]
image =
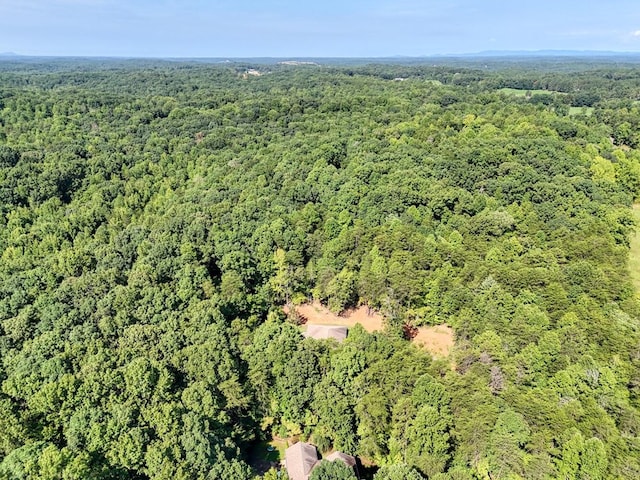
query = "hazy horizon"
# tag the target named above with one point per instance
(497, 54)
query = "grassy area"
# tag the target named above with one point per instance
(524, 93)
(588, 111)
(265, 455)
(634, 252)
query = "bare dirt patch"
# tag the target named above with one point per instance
(438, 340)
(316, 313)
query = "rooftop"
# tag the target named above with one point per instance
(300, 460)
(320, 332)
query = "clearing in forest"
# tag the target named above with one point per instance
(588, 111)
(317, 314)
(634, 251)
(521, 92)
(438, 340)
(266, 455)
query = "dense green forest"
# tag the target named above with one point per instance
(156, 216)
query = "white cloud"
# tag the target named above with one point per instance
(636, 33)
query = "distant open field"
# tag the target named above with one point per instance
(516, 92)
(588, 111)
(634, 251)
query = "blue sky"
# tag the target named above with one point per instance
(287, 28)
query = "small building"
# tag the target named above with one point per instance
(348, 460)
(321, 332)
(299, 460)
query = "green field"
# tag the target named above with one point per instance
(524, 93)
(634, 252)
(588, 111)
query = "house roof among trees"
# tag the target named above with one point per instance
(348, 460)
(320, 332)
(300, 460)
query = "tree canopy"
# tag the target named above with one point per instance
(156, 216)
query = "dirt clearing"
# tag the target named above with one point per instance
(438, 340)
(316, 313)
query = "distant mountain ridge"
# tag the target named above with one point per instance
(545, 53)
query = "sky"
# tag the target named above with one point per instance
(323, 28)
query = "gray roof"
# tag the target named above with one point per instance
(300, 460)
(320, 332)
(348, 460)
